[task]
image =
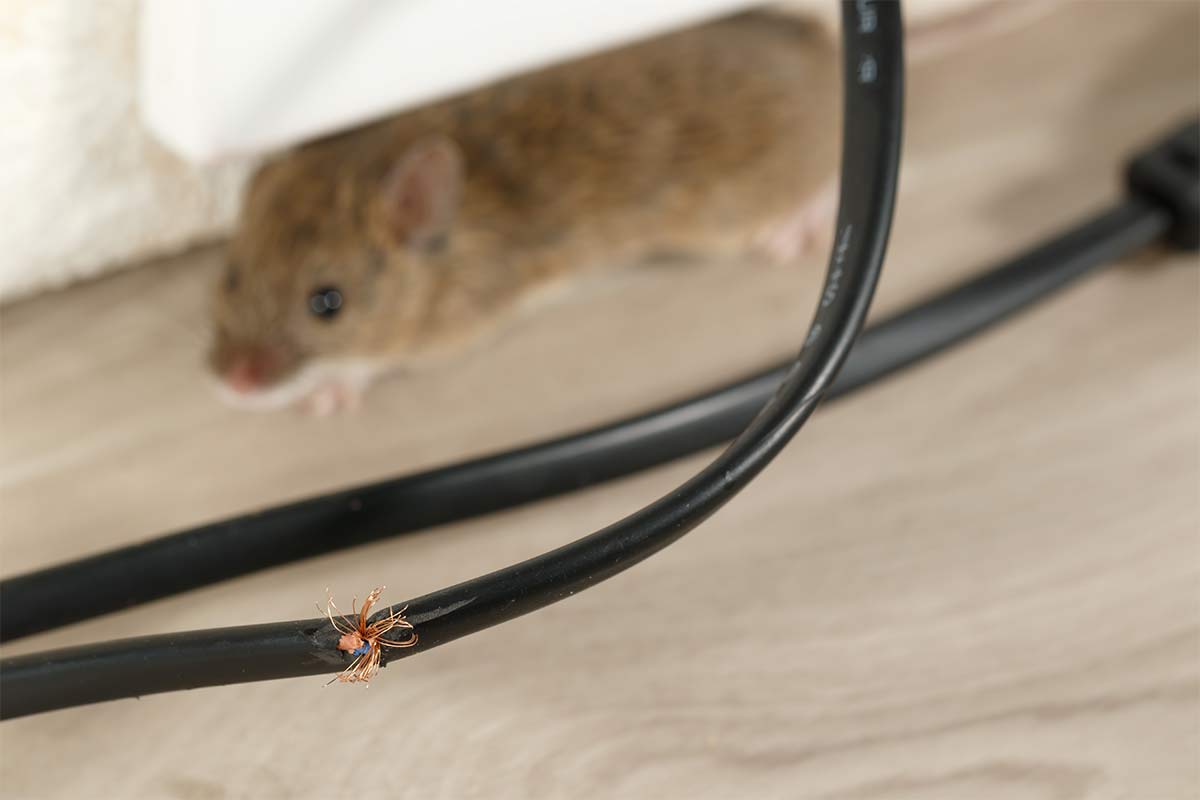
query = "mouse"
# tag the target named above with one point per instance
(411, 239)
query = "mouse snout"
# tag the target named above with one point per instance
(250, 368)
(249, 371)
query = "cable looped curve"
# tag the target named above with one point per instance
(873, 88)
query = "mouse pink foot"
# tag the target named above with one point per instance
(805, 232)
(331, 398)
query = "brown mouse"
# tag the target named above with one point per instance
(415, 236)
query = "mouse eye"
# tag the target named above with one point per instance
(325, 302)
(232, 278)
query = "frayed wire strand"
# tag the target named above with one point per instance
(365, 639)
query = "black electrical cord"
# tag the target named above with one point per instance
(908, 337)
(49, 598)
(873, 89)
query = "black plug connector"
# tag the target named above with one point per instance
(1168, 174)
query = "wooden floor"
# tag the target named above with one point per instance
(979, 580)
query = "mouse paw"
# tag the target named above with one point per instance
(331, 398)
(805, 232)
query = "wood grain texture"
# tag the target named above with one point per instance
(979, 580)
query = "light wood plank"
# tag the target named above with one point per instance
(979, 580)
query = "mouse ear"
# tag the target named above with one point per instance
(421, 192)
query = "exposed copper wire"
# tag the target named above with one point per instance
(364, 639)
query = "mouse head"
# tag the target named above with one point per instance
(331, 266)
